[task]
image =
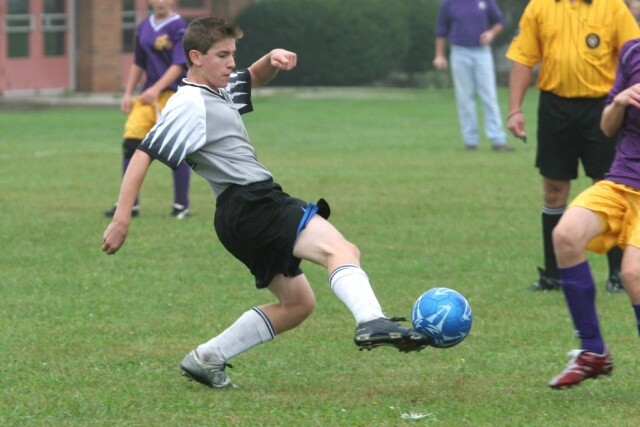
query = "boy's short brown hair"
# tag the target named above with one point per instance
(202, 33)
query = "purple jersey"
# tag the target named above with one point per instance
(462, 21)
(158, 46)
(625, 168)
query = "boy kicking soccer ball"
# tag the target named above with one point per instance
(256, 221)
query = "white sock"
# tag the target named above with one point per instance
(251, 329)
(351, 284)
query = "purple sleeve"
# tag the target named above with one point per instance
(442, 24)
(620, 83)
(494, 13)
(139, 56)
(178, 50)
(618, 86)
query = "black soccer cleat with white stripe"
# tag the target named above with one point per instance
(386, 332)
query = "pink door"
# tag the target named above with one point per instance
(35, 40)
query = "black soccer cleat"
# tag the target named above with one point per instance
(109, 213)
(546, 282)
(179, 211)
(614, 283)
(383, 331)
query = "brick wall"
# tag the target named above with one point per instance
(99, 45)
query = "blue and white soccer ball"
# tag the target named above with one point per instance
(444, 315)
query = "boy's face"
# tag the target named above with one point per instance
(215, 66)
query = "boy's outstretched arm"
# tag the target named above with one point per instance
(115, 234)
(265, 69)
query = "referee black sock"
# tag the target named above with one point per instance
(550, 218)
(614, 256)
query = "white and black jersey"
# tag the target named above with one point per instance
(204, 128)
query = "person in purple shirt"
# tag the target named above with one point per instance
(160, 63)
(605, 215)
(470, 26)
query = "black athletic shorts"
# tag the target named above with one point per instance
(569, 132)
(258, 224)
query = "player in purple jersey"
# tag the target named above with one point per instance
(605, 215)
(261, 225)
(159, 62)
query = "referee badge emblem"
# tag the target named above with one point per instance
(593, 40)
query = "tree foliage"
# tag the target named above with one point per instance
(512, 11)
(353, 42)
(338, 43)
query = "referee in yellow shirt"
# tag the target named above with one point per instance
(576, 43)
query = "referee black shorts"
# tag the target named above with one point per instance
(258, 224)
(569, 132)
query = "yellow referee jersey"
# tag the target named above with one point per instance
(576, 43)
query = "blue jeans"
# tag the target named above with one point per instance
(474, 76)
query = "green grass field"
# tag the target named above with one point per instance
(88, 340)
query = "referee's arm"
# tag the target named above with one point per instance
(519, 81)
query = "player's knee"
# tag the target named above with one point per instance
(306, 308)
(301, 309)
(352, 249)
(564, 241)
(340, 252)
(556, 193)
(631, 277)
(129, 146)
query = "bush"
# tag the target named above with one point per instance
(421, 16)
(339, 43)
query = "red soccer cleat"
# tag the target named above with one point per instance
(582, 365)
